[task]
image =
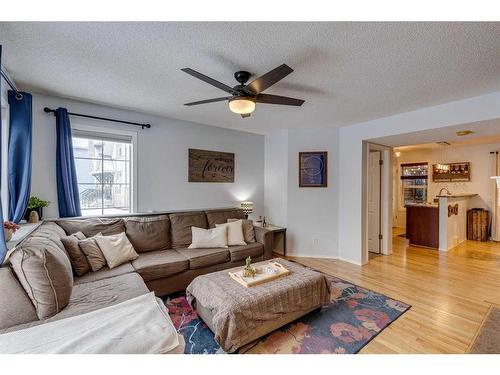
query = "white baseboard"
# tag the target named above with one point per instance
(350, 261)
(302, 255)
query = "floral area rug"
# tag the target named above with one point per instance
(353, 318)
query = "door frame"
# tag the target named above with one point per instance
(378, 168)
(386, 198)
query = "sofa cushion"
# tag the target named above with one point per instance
(158, 264)
(199, 258)
(45, 273)
(91, 226)
(76, 256)
(253, 250)
(220, 216)
(105, 273)
(149, 233)
(180, 225)
(50, 231)
(93, 252)
(21, 326)
(248, 231)
(87, 297)
(15, 305)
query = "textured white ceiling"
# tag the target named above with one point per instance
(346, 72)
(484, 132)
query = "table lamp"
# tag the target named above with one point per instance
(247, 208)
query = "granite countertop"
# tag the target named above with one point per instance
(458, 195)
(426, 205)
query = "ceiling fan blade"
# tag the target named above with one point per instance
(245, 115)
(270, 78)
(276, 99)
(209, 101)
(209, 80)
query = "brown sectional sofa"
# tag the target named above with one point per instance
(165, 264)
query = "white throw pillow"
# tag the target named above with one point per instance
(208, 238)
(117, 249)
(235, 235)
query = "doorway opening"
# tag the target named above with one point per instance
(438, 180)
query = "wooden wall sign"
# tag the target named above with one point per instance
(210, 166)
(452, 209)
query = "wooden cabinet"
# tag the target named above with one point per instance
(422, 225)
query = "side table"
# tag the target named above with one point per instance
(279, 238)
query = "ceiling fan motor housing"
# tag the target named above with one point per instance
(242, 76)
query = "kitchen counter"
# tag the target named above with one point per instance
(453, 219)
(427, 205)
(458, 195)
(422, 224)
(440, 225)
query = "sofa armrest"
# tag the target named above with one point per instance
(266, 238)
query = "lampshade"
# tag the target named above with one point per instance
(247, 207)
(242, 105)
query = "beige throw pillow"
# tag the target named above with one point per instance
(248, 231)
(45, 273)
(208, 238)
(76, 256)
(117, 249)
(234, 233)
(94, 255)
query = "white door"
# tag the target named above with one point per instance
(374, 202)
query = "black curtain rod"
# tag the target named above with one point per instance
(48, 110)
(19, 96)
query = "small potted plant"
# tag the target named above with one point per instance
(248, 271)
(35, 204)
(9, 228)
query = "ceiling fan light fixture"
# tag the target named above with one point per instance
(242, 105)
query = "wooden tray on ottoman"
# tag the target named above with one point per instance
(261, 275)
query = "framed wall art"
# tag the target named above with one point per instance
(313, 167)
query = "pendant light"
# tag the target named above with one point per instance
(442, 167)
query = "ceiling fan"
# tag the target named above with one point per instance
(244, 97)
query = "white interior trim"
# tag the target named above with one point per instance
(133, 135)
(386, 199)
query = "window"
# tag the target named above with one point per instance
(103, 167)
(414, 183)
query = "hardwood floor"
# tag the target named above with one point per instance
(450, 293)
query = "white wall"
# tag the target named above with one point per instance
(352, 229)
(311, 213)
(276, 178)
(162, 158)
(481, 170)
